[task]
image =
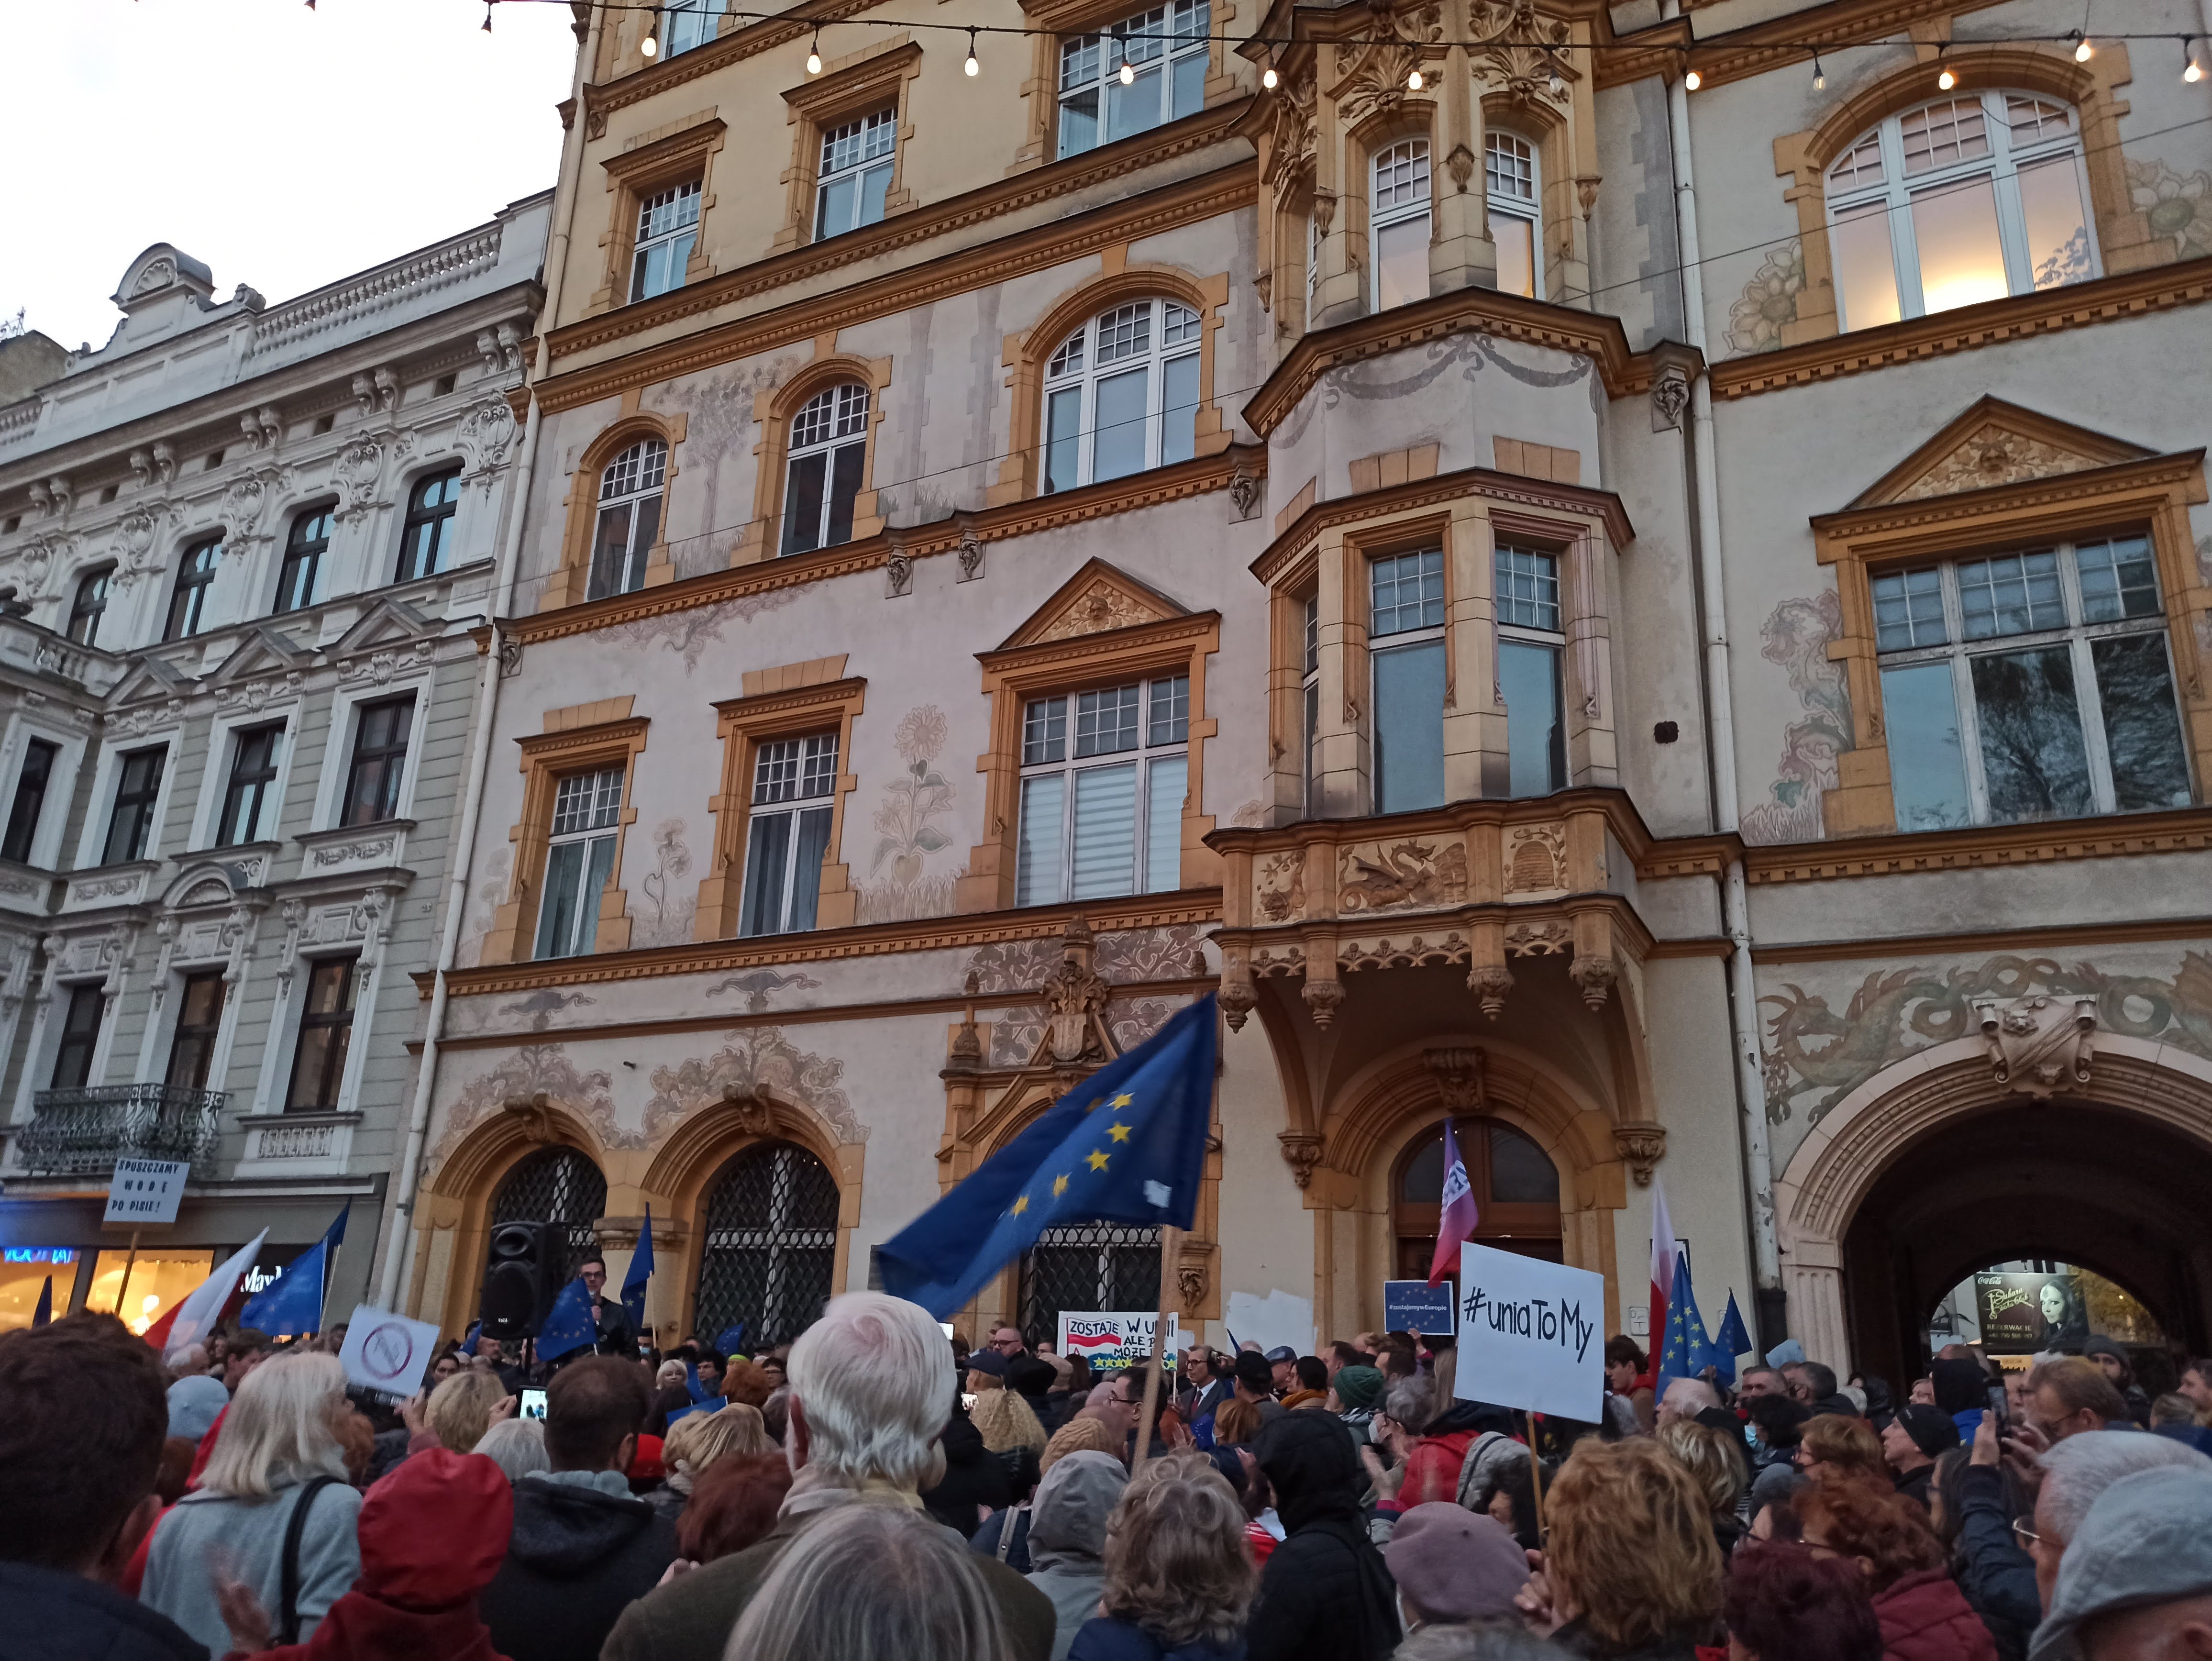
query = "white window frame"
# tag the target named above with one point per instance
(1168, 51)
(1410, 198)
(860, 153)
(2074, 633)
(667, 231)
(1514, 611)
(637, 477)
(1309, 707)
(338, 742)
(688, 25)
(61, 786)
(214, 774)
(593, 810)
(1849, 195)
(793, 778)
(1506, 155)
(833, 421)
(1381, 645)
(1053, 730)
(91, 847)
(1158, 338)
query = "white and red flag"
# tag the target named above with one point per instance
(1663, 1251)
(190, 1321)
(1456, 1217)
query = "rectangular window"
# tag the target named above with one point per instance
(188, 601)
(2029, 685)
(787, 834)
(130, 821)
(587, 811)
(326, 1032)
(667, 226)
(1166, 51)
(31, 782)
(380, 735)
(245, 797)
(80, 1038)
(1866, 267)
(199, 1017)
(1406, 608)
(1398, 213)
(1531, 647)
(692, 24)
(1311, 706)
(1107, 818)
(855, 174)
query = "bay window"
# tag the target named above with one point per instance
(1102, 815)
(1121, 394)
(579, 859)
(788, 832)
(828, 447)
(856, 175)
(1530, 645)
(1406, 652)
(1509, 171)
(628, 520)
(1398, 222)
(1165, 53)
(1309, 705)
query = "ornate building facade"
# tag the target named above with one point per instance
(245, 548)
(1635, 580)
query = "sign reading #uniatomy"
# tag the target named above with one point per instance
(1109, 1339)
(1529, 1334)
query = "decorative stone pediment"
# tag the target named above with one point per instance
(1994, 444)
(1096, 601)
(262, 651)
(388, 623)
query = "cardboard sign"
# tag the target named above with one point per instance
(1111, 1339)
(386, 1353)
(145, 1190)
(1278, 1319)
(1415, 1306)
(1531, 1334)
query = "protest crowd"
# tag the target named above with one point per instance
(873, 1489)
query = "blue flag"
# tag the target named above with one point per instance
(729, 1338)
(293, 1302)
(568, 1326)
(45, 1312)
(641, 1271)
(1126, 1146)
(1734, 1341)
(468, 1343)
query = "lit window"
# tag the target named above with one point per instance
(1166, 51)
(1121, 394)
(426, 534)
(1398, 222)
(788, 833)
(188, 601)
(1509, 174)
(828, 445)
(2029, 685)
(1530, 646)
(247, 798)
(667, 226)
(1969, 199)
(856, 175)
(1406, 629)
(304, 548)
(1102, 815)
(629, 519)
(690, 23)
(586, 809)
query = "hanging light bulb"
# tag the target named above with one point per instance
(1413, 81)
(1559, 82)
(1267, 77)
(971, 66)
(2194, 70)
(1819, 75)
(1694, 81)
(1128, 73)
(814, 55)
(2083, 50)
(1945, 80)
(648, 46)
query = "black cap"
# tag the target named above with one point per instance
(1930, 1428)
(1254, 1372)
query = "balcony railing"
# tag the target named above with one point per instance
(83, 1132)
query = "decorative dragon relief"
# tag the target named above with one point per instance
(1278, 886)
(1371, 73)
(1409, 875)
(760, 1071)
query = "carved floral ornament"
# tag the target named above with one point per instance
(1373, 72)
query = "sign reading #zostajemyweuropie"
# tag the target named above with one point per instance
(1529, 1334)
(1115, 1338)
(1417, 1306)
(146, 1191)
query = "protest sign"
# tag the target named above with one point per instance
(1278, 1319)
(386, 1353)
(144, 1192)
(1530, 1334)
(1416, 1306)
(1108, 1339)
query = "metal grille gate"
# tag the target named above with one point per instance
(556, 1185)
(770, 1247)
(1087, 1266)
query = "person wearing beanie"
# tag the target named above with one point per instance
(1916, 1435)
(1255, 1384)
(1354, 1396)
(1453, 1565)
(2136, 1578)
(2112, 1360)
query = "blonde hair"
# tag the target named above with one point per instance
(1631, 1547)
(1849, 1445)
(1176, 1563)
(1235, 1422)
(460, 1408)
(698, 1439)
(280, 1427)
(1006, 1421)
(1715, 1460)
(670, 1372)
(1077, 1436)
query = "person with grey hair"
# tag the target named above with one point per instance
(871, 1390)
(2136, 1581)
(2076, 1472)
(516, 1446)
(871, 1580)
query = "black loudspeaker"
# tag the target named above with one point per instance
(521, 1281)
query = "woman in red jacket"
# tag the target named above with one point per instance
(1923, 1614)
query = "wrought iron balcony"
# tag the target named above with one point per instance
(83, 1132)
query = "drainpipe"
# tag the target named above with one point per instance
(1735, 907)
(399, 1247)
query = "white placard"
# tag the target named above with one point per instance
(145, 1190)
(1530, 1334)
(386, 1353)
(1278, 1319)
(1109, 1338)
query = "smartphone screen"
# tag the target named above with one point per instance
(533, 1404)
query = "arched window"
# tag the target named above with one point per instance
(89, 604)
(309, 540)
(558, 1185)
(1509, 171)
(1398, 222)
(188, 601)
(1971, 198)
(629, 519)
(426, 535)
(1121, 394)
(1088, 1266)
(828, 445)
(1517, 1194)
(770, 1246)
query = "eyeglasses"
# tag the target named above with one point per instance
(2028, 1538)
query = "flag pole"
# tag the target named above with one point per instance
(124, 1291)
(1535, 1473)
(330, 1274)
(1167, 1232)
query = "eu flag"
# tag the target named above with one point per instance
(1125, 1146)
(570, 1324)
(1687, 1350)
(1734, 1341)
(641, 1271)
(293, 1302)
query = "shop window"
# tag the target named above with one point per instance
(1104, 775)
(27, 1274)
(1165, 52)
(1398, 222)
(1121, 394)
(1405, 650)
(158, 1280)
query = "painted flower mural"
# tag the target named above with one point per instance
(1768, 300)
(907, 831)
(2174, 206)
(1797, 636)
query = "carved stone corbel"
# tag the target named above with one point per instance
(1490, 982)
(1594, 975)
(1462, 1076)
(1302, 1150)
(1641, 1144)
(971, 557)
(1322, 998)
(1670, 396)
(531, 1116)
(1193, 1272)
(753, 1106)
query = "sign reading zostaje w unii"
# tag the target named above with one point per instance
(146, 1191)
(1529, 1334)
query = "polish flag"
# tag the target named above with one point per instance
(1457, 1216)
(1664, 1250)
(1085, 1344)
(196, 1316)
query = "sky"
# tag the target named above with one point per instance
(282, 147)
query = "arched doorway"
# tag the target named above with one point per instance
(1517, 1194)
(1085, 1267)
(558, 1185)
(769, 1247)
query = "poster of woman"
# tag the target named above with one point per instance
(2024, 1313)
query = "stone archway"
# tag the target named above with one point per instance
(1948, 1156)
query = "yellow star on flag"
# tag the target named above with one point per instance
(1059, 1186)
(1097, 1159)
(1119, 1133)
(1123, 1100)
(1021, 1205)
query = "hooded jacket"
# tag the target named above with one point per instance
(1325, 1593)
(1962, 1390)
(1925, 1617)
(1068, 1539)
(582, 1550)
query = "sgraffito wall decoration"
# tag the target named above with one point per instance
(1797, 636)
(899, 885)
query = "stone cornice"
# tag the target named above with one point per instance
(555, 744)
(2181, 830)
(1669, 48)
(1139, 638)
(2044, 938)
(764, 705)
(1199, 476)
(2105, 300)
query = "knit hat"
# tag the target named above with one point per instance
(1930, 1428)
(2148, 1540)
(1359, 1389)
(1453, 1564)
